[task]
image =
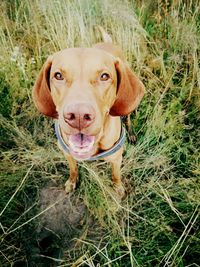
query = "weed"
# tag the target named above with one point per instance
(157, 224)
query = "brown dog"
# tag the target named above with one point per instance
(87, 90)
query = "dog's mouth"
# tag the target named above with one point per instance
(81, 145)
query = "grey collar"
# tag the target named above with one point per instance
(100, 155)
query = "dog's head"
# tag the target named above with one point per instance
(81, 87)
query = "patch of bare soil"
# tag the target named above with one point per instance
(62, 228)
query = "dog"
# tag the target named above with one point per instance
(86, 91)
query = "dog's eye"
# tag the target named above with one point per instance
(58, 76)
(104, 76)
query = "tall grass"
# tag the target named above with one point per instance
(157, 224)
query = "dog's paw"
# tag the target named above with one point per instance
(69, 186)
(131, 138)
(119, 189)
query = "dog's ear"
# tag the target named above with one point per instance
(130, 90)
(41, 91)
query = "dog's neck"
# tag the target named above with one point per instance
(111, 132)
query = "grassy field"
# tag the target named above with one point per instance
(157, 224)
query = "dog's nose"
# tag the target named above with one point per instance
(79, 116)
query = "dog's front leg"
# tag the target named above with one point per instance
(70, 185)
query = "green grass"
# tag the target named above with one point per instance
(157, 224)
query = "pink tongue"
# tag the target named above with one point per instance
(81, 140)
